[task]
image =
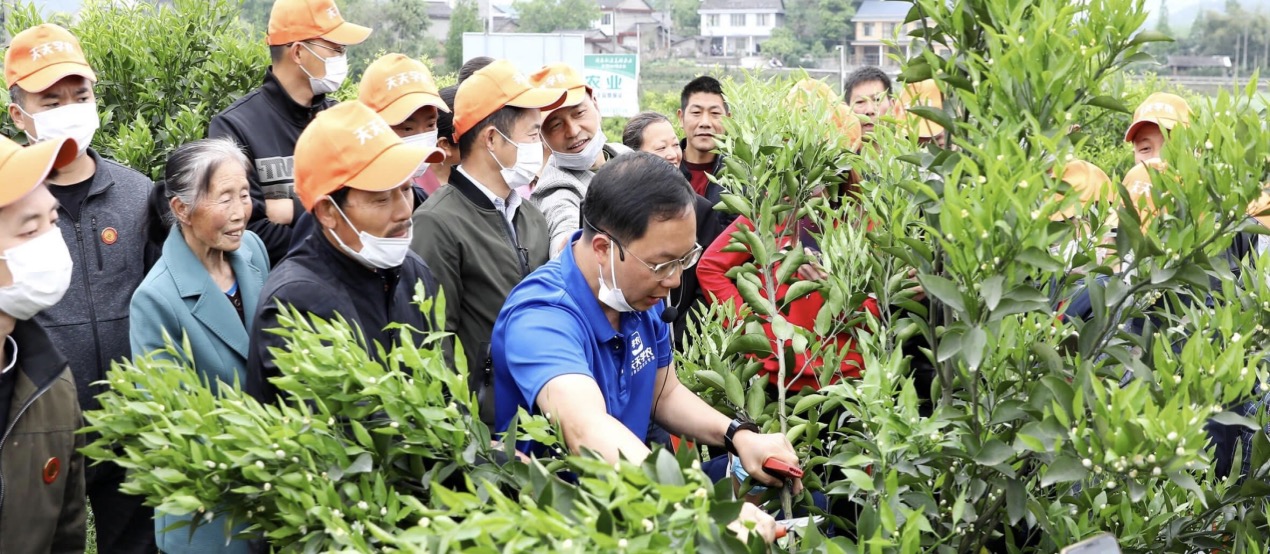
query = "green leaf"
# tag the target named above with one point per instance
(993, 452)
(1109, 103)
(362, 464)
(944, 290)
(800, 289)
(1235, 420)
(756, 344)
(973, 345)
(1064, 470)
(990, 288)
(782, 329)
(1149, 36)
(937, 115)
(735, 392)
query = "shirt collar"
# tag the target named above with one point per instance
(510, 204)
(578, 288)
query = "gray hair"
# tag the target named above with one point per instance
(188, 173)
(633, 134)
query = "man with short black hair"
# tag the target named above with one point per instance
(582, 340)
(868, 91)
(308, 40)
(702, 108)
(353, 176)
(476, 233)
(102, 209)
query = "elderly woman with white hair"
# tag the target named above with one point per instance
(203, 288)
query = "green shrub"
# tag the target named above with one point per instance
(368, 456)
(1033, 443)
(163, 71)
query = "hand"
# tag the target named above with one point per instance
(812, 271)
(919, 293)
(280, 210)
(754, 449)
(764, 524)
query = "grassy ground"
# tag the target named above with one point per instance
(91, 547)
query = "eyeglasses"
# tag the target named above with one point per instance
(661, 271)
(339, 50)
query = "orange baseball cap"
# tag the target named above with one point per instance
(22, 169)
(349, 145)
(1139, 184)
(923, 93)
(298, 20)
(396, 86)
(43, 55)
(1088, 181)
(562, 75)
(1160, 108)
(843, 117)
(495, 87)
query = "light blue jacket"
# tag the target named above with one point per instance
(179, 297)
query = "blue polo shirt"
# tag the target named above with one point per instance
(553, 325)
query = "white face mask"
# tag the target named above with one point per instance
(583, 160)
(613, 297)
(41, 270)
(336, 72)
(528, 163)
(75, 121)
(427, 141)
(377, 252)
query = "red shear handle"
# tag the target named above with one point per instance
(781, 469)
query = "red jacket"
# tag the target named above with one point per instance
(712, 273)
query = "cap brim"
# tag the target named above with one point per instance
(1137, 125)
(48, 76)
(545, 99)
(348, 33)
(29, 166)
(394, 167)
(407, 105)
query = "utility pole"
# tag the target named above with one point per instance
(842, 69)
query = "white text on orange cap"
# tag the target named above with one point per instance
(1159, 106)
(404, 78)
(550, 82)
(48, 48)
(333, 12)
(371, 130)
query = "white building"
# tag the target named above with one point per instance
(739, 27)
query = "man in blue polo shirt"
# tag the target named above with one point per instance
(583, 341)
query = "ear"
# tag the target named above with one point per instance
(490, 132)
(293, 52)
(15, 114)
(324, 212)
(180, 210)
(679, 113)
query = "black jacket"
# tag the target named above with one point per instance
(713, 189)
(107, 244)
(42, 504)
(267, 122)
(688, 295)
(320, 280)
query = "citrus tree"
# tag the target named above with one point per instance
(1035, 429)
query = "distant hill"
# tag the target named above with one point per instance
(1182, 13)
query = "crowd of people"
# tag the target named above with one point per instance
(570, 263)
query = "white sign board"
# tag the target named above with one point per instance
(615, 80)
(527, 51)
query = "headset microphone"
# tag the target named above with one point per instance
(669, 314)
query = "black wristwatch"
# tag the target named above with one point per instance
(737, 425)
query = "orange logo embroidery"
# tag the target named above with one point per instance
(109, 235)
(52, 468)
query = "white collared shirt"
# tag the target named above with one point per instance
(506, 207)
